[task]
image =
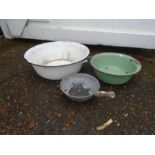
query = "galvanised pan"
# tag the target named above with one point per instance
(81, 87)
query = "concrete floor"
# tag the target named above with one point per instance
(30, 104)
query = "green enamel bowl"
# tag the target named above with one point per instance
(115, 68)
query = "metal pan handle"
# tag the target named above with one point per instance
(109, 94)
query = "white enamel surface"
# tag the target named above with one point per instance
(47, 52)
(57, 73)
(56, 60)
(58, 63)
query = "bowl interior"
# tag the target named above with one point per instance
(79, 85)
(48, 53)
(115, 63)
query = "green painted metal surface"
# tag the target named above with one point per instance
(115, 68)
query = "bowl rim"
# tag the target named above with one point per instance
(138, 64)
(54, 42)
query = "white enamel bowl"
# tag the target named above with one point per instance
(55, 60)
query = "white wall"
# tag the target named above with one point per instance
(115, 32)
